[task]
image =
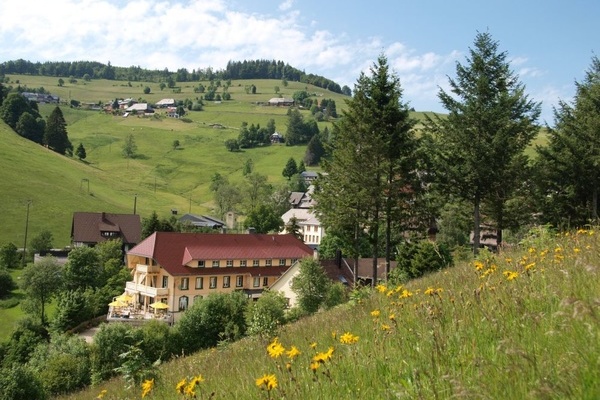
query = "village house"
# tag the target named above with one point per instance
(202, 221)
(175, 269)
(302, 209)
(89, 229)
(281, 101)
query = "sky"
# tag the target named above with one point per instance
(549, 44)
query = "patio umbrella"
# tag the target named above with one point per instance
(159, 305)
(126, 298)
(117, 303)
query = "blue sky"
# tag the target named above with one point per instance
(550, 44)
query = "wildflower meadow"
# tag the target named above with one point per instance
(522, 323)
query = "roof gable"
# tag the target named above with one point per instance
(88, 227)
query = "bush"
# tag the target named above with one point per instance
(416, 259)
(7, 284)
(267, 314)
(110, 342)
(19, 383)
(9, 303)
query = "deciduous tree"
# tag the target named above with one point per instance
(41, 282)
(310, 285)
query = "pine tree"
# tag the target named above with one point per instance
(490, 123)
(569, 165)
(80, 152)
(291, 168)
(55, 135)
(372, 164)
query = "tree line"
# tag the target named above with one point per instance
(247, 69)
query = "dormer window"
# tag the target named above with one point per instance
(109, 234)
(200, 263)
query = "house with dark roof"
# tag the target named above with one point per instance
(202, 221)
(89, 229)
(178, 268)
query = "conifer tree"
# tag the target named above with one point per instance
(371, 164)
(569, 165)
(55, 135)
(490, 122)
(80, 152)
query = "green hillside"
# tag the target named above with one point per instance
(161, 177)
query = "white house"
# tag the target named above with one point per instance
(311, 229)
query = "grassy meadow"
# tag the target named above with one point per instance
(521, 324)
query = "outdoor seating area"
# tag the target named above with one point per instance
(124, 309)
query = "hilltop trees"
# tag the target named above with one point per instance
(478, 148)
(55, 134)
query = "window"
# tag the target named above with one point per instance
(242, 263)
(269, 262)
(183, 303)
(282, 262)
(256, 282)
(200, 283)
(165, 282)
(213, 282)
(230, 263)
(255, 263)
(225, 281)
(185, 284)
(294, 261)
(239, 281)
(215, 264)
(200, 263)
(266, 281)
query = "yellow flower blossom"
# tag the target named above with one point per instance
(268, 381)
(197, 380)
(147, 387)
(293, 353)
(324, 356)
(180, 388)
(381, 288)
(189, 391)
(392, 317)
(102, 393)
(510, 275)
(348, 338)
(508, 260)
(405, 294)
(385, 327)
(275, 349)
(375, 313)
(314, 366)
(529, 266)
(313, 345)
(576, 250)
(439, 290)
(430, 291)
(478, 265)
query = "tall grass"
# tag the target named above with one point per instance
(522, 324)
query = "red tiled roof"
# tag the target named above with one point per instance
(172, 250)
(87, 227)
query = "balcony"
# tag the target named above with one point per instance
(150, 291)
(147, 269)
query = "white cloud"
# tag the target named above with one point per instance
(286, 5)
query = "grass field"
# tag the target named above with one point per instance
(524, 324)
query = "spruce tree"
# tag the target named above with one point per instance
(55, 135)
(490, 122)
(372, 164)
(290, 169)
(80, 152)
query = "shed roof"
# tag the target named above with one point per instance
(87, 227)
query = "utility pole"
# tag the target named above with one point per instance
(134, 203)
(26, 229)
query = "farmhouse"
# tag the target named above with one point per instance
(139, 108)
(202, 221)
(89, 229)
(178, 268)
(281, 101)
(165, 103)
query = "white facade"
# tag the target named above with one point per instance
(312, 232)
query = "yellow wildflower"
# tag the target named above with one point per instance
(293, 353)
(439, 290)
(147, 387)
(508, 260)
(392, 317)
(510, 275)
(189, 390)
(275, 349)
(324, 356)
(576, 250)
(268, 381)
(529, 266)
(430, 291)
(180, 388)
(405, 294)
(102, 393)
(348, 338)
(478, 265)
(385, 327)
(197, 380)
(375, 313)
(313, 345)
(314, 366)
(381, 288)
